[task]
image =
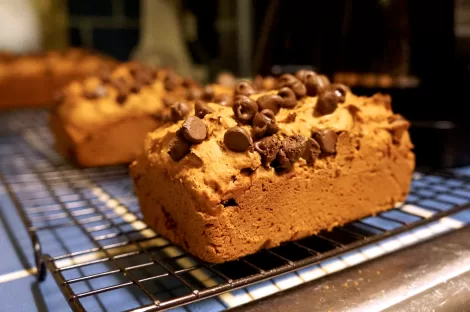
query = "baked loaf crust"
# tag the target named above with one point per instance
(221, 203)
(33, 80)
(103, 120)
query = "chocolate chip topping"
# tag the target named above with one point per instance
(244, 109)
(314, 83)
(299, 89)
(329, 98)
(194, 130)
(104, 75)
(272, 102)
(98, 92)
(258, 83)
(244, 88)
(144, 77)
(168, 101)
(268, 148)
(170, 82)
(193, 93)
(136, 87)
(303, 74)
(178, 148)
(327, 139)
(226, 80)
(263, 125)
(201, 109)
(292, 148)
(311, 151)
(269, 113)
(286, 80)
(289, 99)
(208, 93)
(237, 139)
(179, 110)
(223, 99)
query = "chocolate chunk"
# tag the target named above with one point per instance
(268, 148)
(327, 139)
(311, 151)
(208, 93)
(244, 88)
(281, 162)
(237, 139)
(223, 99)
(303, 74)
(134, 68)
(289, 99)
(226, 80)
(104, 75)
(168, 101)
(264, 125)
(244, 109)
(193, 93)
(194, 130)
(201, 109)
(294, 147)
(119, 83)
(291, 117)
(178, 148)
(188, 83)
(179, 110)
(272, 102)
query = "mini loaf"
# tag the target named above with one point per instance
(33, 80)
(279, 165)
(103, 120)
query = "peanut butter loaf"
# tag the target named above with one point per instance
(277, 166)
(33, 80)
(103, 120)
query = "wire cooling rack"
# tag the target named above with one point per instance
(86, 230)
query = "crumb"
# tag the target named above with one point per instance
(378, 272)
(326, 287)
(345, 284)
(360, 271)
(356, 283)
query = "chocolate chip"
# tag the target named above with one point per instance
(193, 93)
(270, 101)
(179, 110)
(289, 99)
(119, 83)
(188, 83)
(170, 82)
(244, 88)
(269, 113)
(99, 91)
(223, 99)
(327, 139)
(104, 75)
(226, 80)
(291, 117)
(237, 139)
(268, 148)
(264, 125)
(208, 93)
(281, 162)
(178, 148)
(303, 74)
(340, 91)
(299, 89)
(258, 83)
(314, 83)
(136, 87)
(311, 151)
(194, 130)
(134, 68)
(201, 109)
(286, 80)
(244, 109)
(327, 103)
(121, 97)
(168, 101)
(144, 77)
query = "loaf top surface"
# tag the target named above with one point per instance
(318, 131)
(53, 63)
(130, 90)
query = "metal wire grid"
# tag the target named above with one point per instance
(94, 244)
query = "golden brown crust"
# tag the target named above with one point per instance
(33, 80)
(221, 205)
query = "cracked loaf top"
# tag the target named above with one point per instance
(303, 125)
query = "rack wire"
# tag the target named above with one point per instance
(86, 230)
